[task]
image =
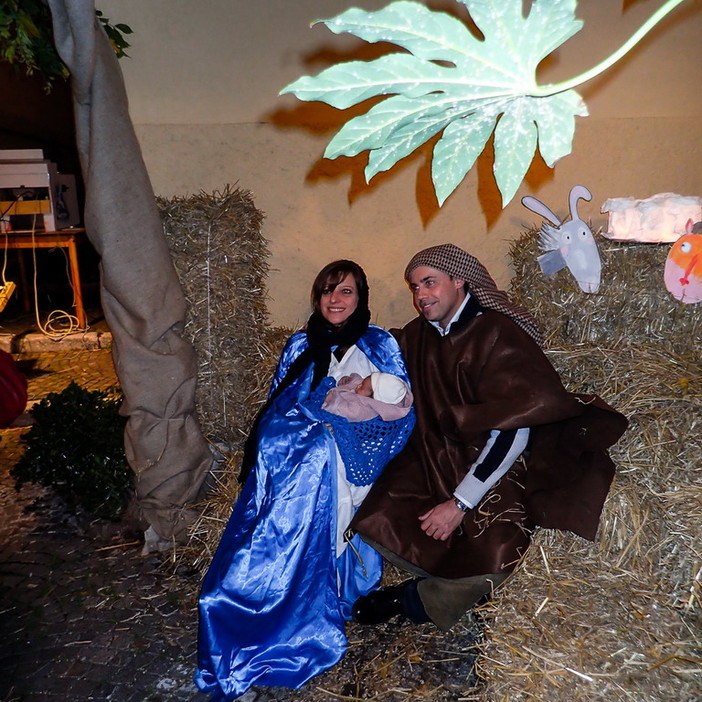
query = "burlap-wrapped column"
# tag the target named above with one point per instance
(141, 296)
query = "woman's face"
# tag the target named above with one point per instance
(339, 303)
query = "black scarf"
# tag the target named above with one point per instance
(321, 337)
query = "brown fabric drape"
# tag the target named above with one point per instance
(487, 373)
(142, 300)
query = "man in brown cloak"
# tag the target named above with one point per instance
(499, 447)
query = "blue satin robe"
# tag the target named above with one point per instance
(271, 611)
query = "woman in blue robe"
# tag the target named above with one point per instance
(284, 576)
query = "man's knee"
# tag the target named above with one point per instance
(447, 600)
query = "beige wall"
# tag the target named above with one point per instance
(203, 82)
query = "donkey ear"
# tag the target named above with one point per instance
(578, 192)
(531, 203)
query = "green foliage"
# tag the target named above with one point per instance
(115, 34)
(449, 80)
(27, 38)
(76, 447)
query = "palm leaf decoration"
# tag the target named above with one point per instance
(449, 81)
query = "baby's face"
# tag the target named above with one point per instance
(365, 388)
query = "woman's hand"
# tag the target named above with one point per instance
(441, 521)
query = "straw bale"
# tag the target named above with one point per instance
(570, 625)
(221, 258)
(618, 618)
(632, 302)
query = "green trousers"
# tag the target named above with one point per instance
(445, 600)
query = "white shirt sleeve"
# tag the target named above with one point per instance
(502, 449)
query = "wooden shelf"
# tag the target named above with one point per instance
(25, 207)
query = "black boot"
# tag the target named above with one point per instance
(412, 606)
(384, 604)
(378, 606)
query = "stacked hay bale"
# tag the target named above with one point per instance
(221, 258)
(222, 262)
(619, 618)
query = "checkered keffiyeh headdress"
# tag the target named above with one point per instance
(459, 264)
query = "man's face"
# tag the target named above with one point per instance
(437, 295)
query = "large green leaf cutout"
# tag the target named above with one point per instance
(449, 80)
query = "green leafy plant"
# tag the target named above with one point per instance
(115, 33)
(448, 80)
(76, 447)
(27, 38)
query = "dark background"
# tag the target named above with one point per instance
(32, 117)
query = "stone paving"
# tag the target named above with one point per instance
(83, 616)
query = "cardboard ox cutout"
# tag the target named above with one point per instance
(568, 244)
(683, 267)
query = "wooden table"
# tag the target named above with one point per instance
(65, 239)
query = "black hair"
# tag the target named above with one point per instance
(332, 274)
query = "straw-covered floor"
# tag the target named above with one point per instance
(617, 619)
(620, 618)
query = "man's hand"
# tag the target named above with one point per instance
(441, 521)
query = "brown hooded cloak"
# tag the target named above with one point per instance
(489, 373)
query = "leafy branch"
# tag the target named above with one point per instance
(449, 82)
(115, 33)
(27, 38)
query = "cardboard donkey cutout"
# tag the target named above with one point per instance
(568, 244)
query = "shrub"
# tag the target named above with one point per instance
(76, 447)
